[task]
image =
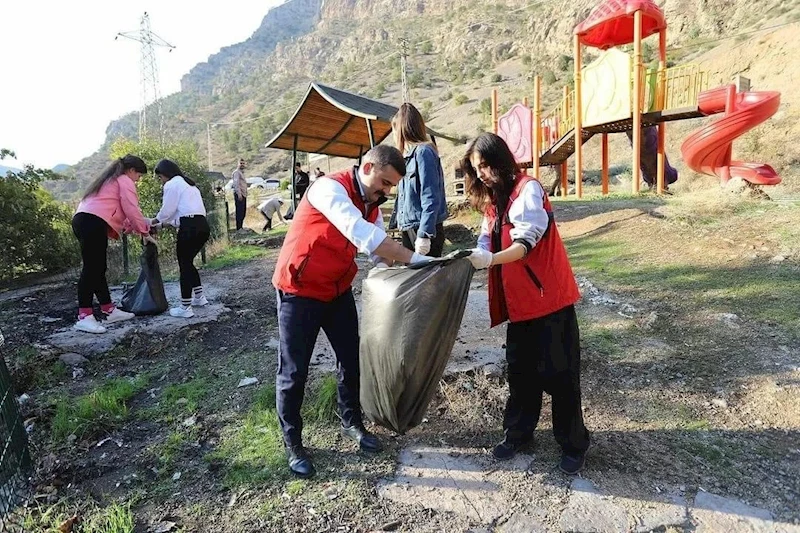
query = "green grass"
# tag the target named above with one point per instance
(759, 290)
(194, 392)
(116, 518)
(251, 450)
(103, 409)
(234, 255)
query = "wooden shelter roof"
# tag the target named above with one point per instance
(336, 123)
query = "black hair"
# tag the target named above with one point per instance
(167, 168)
(498, 157)
(383, 155)
(115, 170)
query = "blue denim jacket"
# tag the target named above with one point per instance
(421, 203)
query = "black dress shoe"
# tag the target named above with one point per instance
(299, 462)
(366, 440)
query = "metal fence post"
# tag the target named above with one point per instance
(227, 219)
(125, 254)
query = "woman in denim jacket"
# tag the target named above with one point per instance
(420, 207)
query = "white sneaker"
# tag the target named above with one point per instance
(89, 324)
(181, 312)
(118, 315)
(199, 302)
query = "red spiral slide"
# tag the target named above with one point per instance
(708, 150)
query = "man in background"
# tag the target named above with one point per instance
(270, 207)
(302, 181)
(239, 187)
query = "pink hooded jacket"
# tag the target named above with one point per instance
(118, 204)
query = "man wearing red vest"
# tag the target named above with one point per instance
(338, 217)
(531, 285)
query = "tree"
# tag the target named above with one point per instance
(35, 230)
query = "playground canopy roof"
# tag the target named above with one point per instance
(336, 123)
(611, 23)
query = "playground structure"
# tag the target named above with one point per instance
(616, 93)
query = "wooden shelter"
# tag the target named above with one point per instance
(336, 123)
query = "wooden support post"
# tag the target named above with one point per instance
(604, 175)
(578, 111)
(564, 180)
(637, 101)
(662, 127)
(494, 111)
(537, 126)
(371, 133)
(294, 175)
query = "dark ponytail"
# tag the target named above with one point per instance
(115, 170)
(167, 168)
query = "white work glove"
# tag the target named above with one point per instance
(422, 245)
(381, 264)
(480, 258)
(419, 258)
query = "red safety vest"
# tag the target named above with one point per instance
(537, 285)
(316, 260)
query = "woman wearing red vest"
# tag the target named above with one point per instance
(531, 285)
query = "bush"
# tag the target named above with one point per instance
(526, 60)
(285, 183)
(497, 78)
(564, 62)
(461, 99)
(35, 230)
(548, 77)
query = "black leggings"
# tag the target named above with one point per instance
(92, 233)
(193, 234)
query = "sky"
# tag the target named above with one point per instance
(64, 77)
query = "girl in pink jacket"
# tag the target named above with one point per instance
(109, 207)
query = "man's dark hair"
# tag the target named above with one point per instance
(383, 155)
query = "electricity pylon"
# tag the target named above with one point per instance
(149, 72)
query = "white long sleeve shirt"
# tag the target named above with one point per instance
(179, 200)
(330, 198)
(527, 216)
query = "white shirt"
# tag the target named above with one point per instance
(268, 207)
(179, 200)
(330, 198)
(526, 214)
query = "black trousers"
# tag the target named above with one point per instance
(193, 233)
(92, 233)
(241, 209)
(544, 356)
(437, 243)
(299, 322)
(268, 225)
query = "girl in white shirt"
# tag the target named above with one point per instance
(182, 207)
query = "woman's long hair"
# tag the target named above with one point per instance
(115, 170)
(408, 127)
(503, 169)
(167, 168)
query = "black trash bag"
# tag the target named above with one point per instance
(147, 296)
(409, 322)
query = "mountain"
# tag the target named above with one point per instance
(61, 168)
(4, 170)
(458, 50)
